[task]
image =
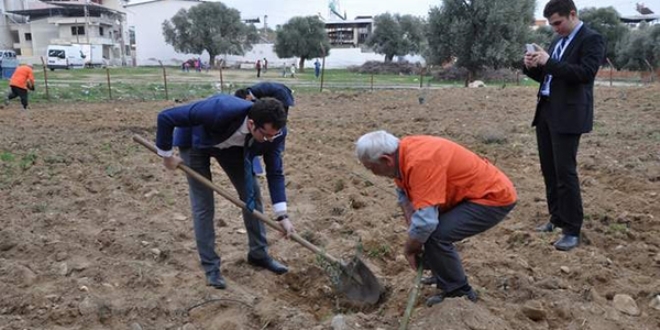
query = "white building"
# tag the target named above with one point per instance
(145, 21)
(31, 25)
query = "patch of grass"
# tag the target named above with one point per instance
(39, 208)
(492, 137)
(28, 160)
(339, 185)
(617, 228)
(7, 157)
(112, 170)
(379, 252)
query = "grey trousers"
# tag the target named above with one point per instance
(203, 203)
(464, 220)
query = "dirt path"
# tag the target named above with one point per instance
(95, 234)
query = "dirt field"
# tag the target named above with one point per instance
(96, 234)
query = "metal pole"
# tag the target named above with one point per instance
(45, 77)
(372, 81)
(164, 79)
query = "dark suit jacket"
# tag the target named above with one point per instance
(208, 122)
(571, 109)
(275, 90)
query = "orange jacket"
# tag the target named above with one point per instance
(21, 76)
(438, 172)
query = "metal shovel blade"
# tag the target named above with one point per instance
(358, 284)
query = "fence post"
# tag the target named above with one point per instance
(650, 70)
(421, 77)
(222, 83)
(611, 69)
(107, 72)
(164, 79)
(372, 81)
(517, 78)
(45, 77)
(322, 67)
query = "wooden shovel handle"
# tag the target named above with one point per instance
(272, 224)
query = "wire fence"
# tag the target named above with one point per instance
(172, 83)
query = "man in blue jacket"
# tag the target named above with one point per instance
(232, 131)
(268, 89)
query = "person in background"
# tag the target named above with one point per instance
(447, 193)
(317, 68)
(293, 70)
(564, 111)
(258, 67)
(21, 81)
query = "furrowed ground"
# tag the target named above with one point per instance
(96, 234)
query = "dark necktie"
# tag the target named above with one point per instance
(249, 176)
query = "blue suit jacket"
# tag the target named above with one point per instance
(275, 90)
(206, 123)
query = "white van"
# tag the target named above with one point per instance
(65, 57)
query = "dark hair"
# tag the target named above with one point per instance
(241, 93)
(560, 7)
(268, 110)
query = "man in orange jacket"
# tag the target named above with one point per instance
(21, 81)
(447, 193)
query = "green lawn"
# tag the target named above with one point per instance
(147, 83)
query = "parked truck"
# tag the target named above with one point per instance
(93, 55)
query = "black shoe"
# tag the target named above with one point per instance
(567, 243)
(268, 263)
(546, 228)
(462, 292)
(215, 280)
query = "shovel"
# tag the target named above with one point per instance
(354, 280)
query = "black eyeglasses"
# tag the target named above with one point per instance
(269, 137)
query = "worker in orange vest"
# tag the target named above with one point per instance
(21, 81)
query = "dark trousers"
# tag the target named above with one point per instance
(464, 220)
(19, 92)
(558, 154)
(203, 204)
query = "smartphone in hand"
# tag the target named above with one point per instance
(529, 48)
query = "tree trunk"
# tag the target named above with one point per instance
(388, 58)
(301, 65)
(211, 59)
(468, 78)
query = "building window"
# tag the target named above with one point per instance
(78, 30)
(101, 31)
(28, 37)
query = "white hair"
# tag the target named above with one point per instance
(371, 146)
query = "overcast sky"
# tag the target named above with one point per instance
(279, 11)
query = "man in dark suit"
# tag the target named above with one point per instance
(232, 131)
(564, 112)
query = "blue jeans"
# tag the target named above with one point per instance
(203, 203)
(464, 220)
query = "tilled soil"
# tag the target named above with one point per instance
(96, 234)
